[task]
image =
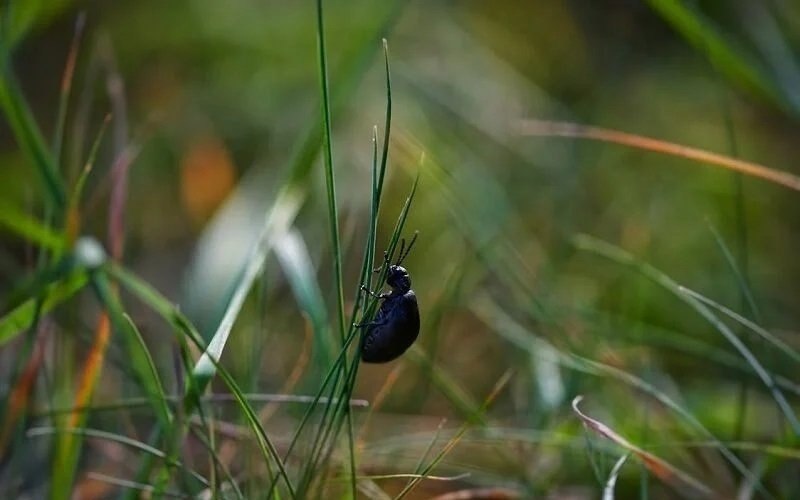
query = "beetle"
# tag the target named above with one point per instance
(396, 325)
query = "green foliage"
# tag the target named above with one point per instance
(218, 353)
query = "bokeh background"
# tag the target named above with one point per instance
(217, 99)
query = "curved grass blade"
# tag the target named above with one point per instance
(544, 128)
(665, 471)
(144, 490)
(493, 316)
(116, 438)
(706, 39)
(758, 330)
(608, 490)
(182, 325)
(616, 254)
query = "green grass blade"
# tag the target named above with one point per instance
(120, 439)
(30, 138)
(276, 224)
(66, 87)
(387, 127)
(447, 384)
(292, 254)
(741, 278)
(206, 368)
(750, 325)
(19, 18)
(73, 219)
(330, 181)
(616, 254)
(140, 360)
(500, 322)
(477, 416)
(34, 231)
(705, 38)
(184, 327)
(24, 315)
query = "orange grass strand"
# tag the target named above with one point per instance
(544, 128)
(660, 468)
(20, 394)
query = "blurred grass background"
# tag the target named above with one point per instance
(213, 102)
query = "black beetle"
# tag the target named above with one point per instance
(396, 325)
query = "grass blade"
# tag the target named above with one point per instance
(66, 86)
(659, 467)
(608, 490)
(29, 137)
(330, 181)
(755, 328)
(140, 360)
(616, 254)
(699, 32)
(184, 328)
(29, 228)
(499, 321)
(544, 128)
(23, 316)
(276, 225)
(292, 254)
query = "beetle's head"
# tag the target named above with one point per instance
(398, 278)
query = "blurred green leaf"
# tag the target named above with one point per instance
(292, 253)
(20, 17)
(29, 137)
(23, 316)
(706, 39)
(29, 228)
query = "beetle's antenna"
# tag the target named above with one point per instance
(400, 253)
(402, 256)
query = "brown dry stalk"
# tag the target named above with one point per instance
(544, 128)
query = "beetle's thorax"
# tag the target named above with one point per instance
(399, 280)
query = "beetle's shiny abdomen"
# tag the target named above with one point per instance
(395, 328)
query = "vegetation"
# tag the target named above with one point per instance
(194, 193)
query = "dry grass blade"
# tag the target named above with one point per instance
(20, 394)
(544, 128)
(659, 467)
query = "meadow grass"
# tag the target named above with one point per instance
(491, 414)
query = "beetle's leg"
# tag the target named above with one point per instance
(370, 323)
(370, 292)
(373, 294)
